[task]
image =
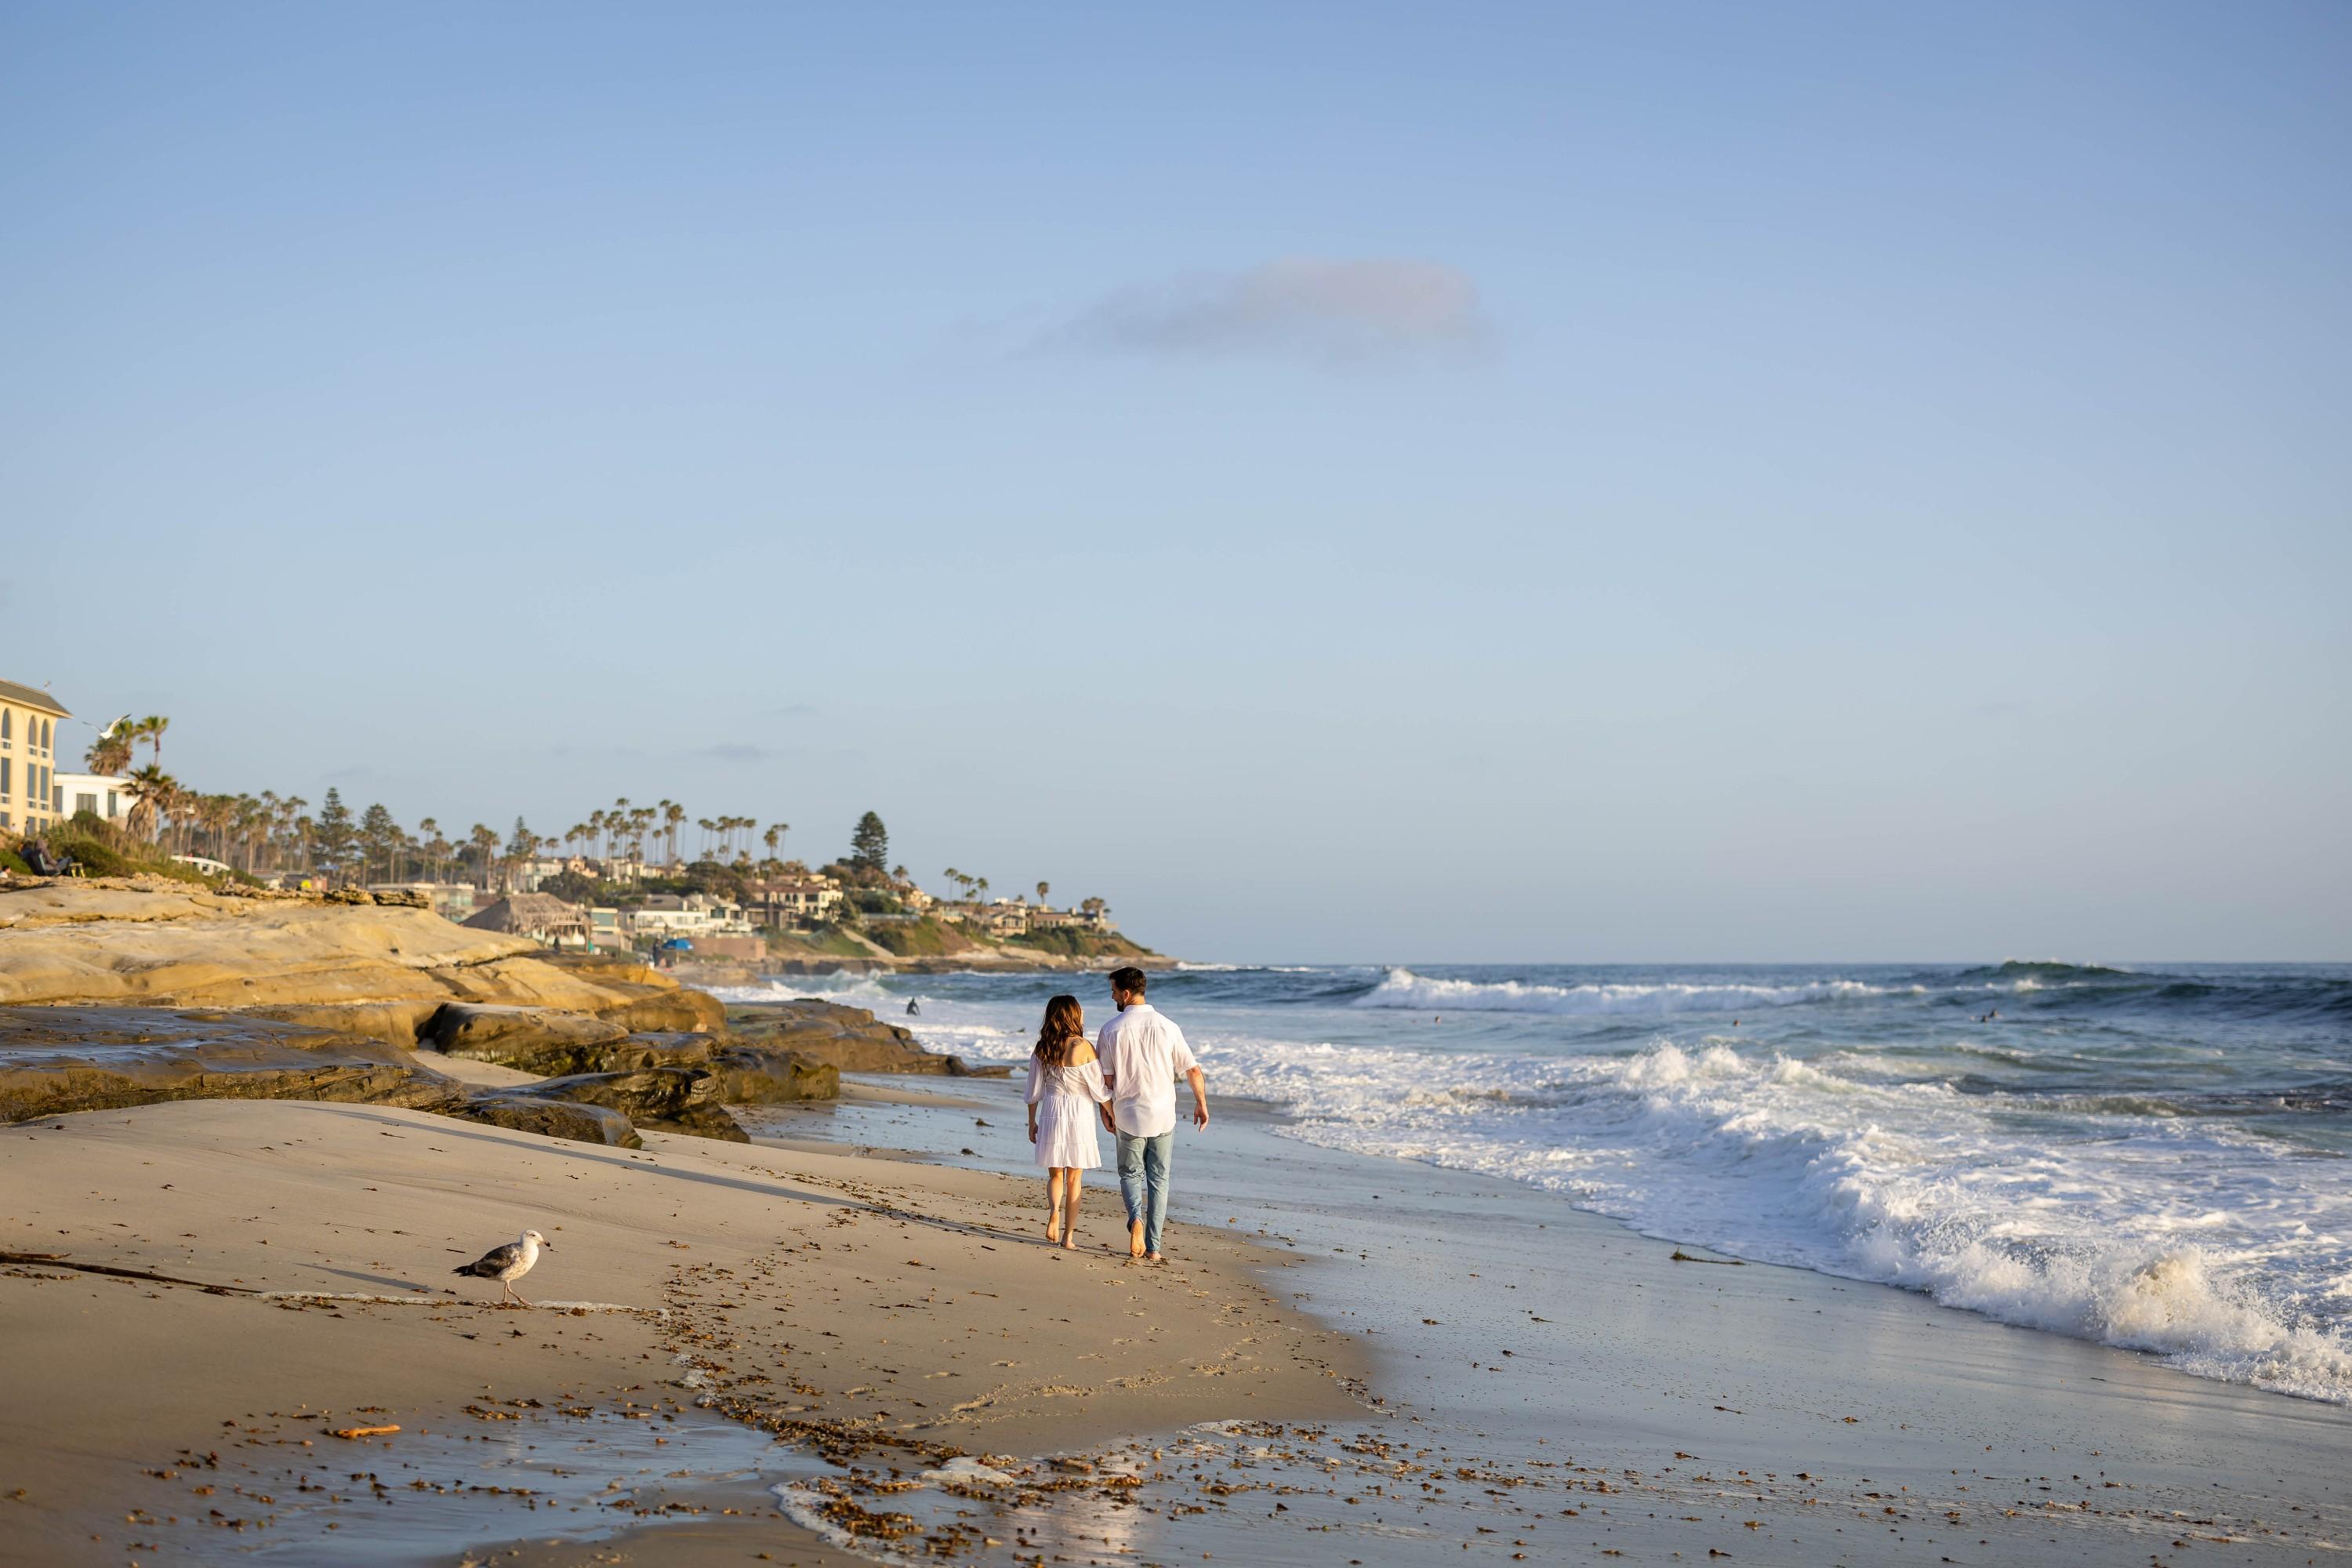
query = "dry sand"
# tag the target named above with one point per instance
(883, 1310)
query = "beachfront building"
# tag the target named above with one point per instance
(781, 903)
(29, 722)
(102, 795)
(604, 929)
(1005, 917)
(542, 917)
(666, 915)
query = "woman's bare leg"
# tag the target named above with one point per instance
(1070, 1206)
(1053, 1198)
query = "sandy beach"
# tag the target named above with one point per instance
(1400, 1358)
(884, 1313)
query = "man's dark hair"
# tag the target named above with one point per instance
(1130, 980)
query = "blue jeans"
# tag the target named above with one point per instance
(1143, 1182)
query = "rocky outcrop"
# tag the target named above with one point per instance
(544, 1040)
(58, 1059)
(666, 1006)
(522, 1113)
(53, 1060)
(847, 1039)
(677, 1099)
(759, 1075)
(142, 942)
(150, 990)
(564, 1045)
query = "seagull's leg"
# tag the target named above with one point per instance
(508, 1286)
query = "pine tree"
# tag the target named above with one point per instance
(333, 834)
(379, 836)
(870, 845)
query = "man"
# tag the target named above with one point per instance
(1143, 1054)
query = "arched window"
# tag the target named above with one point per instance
(7, 723)
(45, 735)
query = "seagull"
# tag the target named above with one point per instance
(509, 1263)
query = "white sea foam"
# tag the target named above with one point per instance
(1401, 988)
(2219, 1250)
(840, 985)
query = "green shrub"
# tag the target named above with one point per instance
(1074, 942)
(916, 939)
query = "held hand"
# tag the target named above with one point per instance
(1200, 1115)
(1032, 1132)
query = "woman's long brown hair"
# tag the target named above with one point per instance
(1064, 1026)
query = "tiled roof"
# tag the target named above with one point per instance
(33, 697)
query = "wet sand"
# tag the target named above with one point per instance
(882, 1312)
(1541, 1385)
(1555, 1388)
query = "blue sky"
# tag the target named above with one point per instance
(1527, 483)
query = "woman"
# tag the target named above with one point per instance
(1065, 1092)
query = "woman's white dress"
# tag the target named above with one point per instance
(1068, 1126)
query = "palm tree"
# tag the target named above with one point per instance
(673, 814)
(151, 789)
(484, 842)
(110, 752)
(150, 730)
(1042, 889)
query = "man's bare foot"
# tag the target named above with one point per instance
(1135, 1239)
(1153, 1257)
(1070, 1240)
(1053, 1225)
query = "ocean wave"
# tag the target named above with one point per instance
(841, 986)
(1401, 988)
(2050, 968)
(2137, 1227)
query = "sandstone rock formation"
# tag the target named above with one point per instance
(847, 1039)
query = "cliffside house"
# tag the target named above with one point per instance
(663, 915)
(29, 717)
(542, 917)
(102, 794)
(782, 902)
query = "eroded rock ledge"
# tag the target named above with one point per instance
(117, 992)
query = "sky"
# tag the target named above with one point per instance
(1514, 483)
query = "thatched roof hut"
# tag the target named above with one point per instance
(542, 917)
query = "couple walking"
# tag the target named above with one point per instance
(1127, 1076)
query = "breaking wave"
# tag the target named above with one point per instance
(2131, 1225)
(1401, 988)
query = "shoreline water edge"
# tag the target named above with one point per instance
(848, 1340)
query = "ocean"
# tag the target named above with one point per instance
(2152, 1156)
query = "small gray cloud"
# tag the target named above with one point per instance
(1329, 314)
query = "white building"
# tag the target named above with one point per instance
(102, 795)
(696, 914)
